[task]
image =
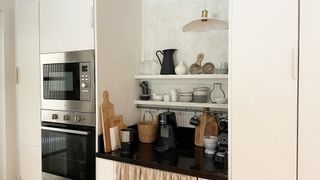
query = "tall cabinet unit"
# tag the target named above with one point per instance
(309, 88)
(28, 89)
(263, 53)
(66, 25)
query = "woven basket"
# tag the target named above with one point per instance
(147, 129)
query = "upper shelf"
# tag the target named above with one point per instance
(187, 76)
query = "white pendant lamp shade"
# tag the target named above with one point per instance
(205, 24)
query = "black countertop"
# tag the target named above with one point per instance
(189, 160)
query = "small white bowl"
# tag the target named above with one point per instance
(200, 93)
(185, 98)
(220, 100)
(157, 97)
(185, 94)
(200, 89)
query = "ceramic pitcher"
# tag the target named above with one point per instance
(167, 64)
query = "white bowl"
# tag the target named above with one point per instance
(200, 93)
(220, 100)
(210, 143)
(200, 89)
(185, 94)
(157, 97)
(185, 98)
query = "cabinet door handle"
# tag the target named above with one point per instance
(17, 75)
(295, 55)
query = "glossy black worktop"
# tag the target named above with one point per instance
(189, 160)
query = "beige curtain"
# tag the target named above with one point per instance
(126, 171)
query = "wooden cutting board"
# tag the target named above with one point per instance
(211, 128)
(111, 124)
(208, 125)
(199, 131)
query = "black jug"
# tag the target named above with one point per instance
(167, 64)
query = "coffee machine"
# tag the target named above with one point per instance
(167, 129)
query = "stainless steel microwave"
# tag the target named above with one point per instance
(67, 81)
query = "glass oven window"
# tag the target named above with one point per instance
(68, 155)
(61, 81)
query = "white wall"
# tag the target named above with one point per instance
(1, 97)
(163, 21)
(118, 49)
(7, 6)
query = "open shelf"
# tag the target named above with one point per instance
(187, 76)
(182, 104)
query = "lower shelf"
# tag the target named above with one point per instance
(182, 104)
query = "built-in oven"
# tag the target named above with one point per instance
(68, 149)
(67, 81)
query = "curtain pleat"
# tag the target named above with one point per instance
(125, 171)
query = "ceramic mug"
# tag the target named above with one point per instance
(166, 98)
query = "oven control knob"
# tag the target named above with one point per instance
(77, 118)
(54, 116)
(84, 85)
(66, 117)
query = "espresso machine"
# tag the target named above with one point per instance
(167, 129)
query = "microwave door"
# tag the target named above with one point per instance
(61, 81)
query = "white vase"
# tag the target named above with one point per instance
(180, 69)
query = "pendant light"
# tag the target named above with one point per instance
(205, 24)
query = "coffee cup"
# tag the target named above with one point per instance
(166, 98)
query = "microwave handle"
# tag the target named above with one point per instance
(66, 131)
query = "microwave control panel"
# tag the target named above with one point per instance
(85, 82)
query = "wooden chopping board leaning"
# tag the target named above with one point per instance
(208, 125)
(111, 124)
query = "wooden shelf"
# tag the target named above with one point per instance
(182, 104)
(187, 76)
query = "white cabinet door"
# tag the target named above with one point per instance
(263, 43)
(28, 89)
(309, 102)
(104, 169)
(30, 163)
(27, 61)
(66, 25)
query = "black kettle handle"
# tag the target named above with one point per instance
(158, 56)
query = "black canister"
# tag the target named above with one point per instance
(127, 140)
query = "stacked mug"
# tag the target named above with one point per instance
(174, 95)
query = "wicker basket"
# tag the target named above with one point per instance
(147, 129)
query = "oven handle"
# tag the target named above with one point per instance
(66, 131)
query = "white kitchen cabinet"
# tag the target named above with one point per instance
(28, 89)
(28, 72)
(30, 162)
(105, 169)
(263, 97)
(309, 88)
(66, 25)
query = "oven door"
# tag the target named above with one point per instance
(67, 81)
(68, 153)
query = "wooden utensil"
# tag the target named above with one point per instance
(199, 131)
(196, 67)
(208, 68)
(111, 124)
(211, 128)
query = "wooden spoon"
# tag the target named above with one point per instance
(196, 67)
